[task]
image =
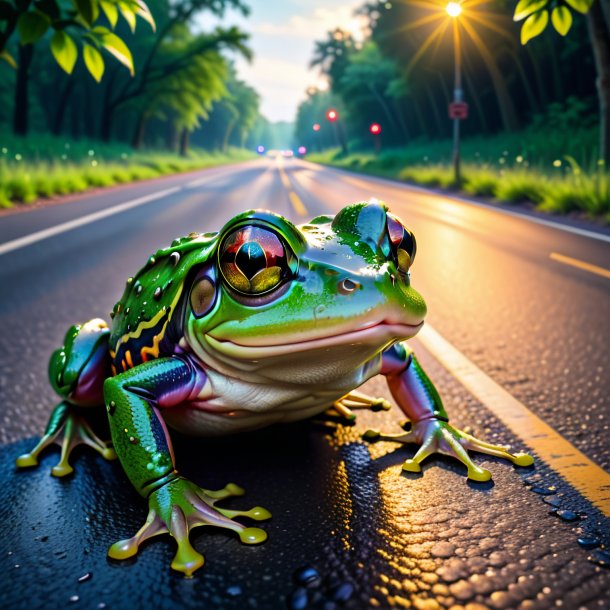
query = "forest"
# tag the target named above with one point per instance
(147, 74)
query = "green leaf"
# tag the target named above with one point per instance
(582, 6)
(32, 26)
(144, 12)
(114, 45)
(111, 12)
(64, 50)
(89, 10)
(562, 19)
(8, 58)
(527, 7)
(533, 26)
(94, 62)
(128, 12)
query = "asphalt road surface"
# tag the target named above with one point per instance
(518, 323)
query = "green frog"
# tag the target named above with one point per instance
(260, 323)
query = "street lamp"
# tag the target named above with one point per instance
(458, 109)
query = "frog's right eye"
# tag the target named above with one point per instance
(254, 260)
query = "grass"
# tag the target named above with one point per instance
(550, 182)
(34, 169)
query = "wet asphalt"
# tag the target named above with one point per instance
(375, 537)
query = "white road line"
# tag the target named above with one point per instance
(32, 238)
(397, 185)
(592, 481)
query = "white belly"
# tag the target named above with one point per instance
(227, 404)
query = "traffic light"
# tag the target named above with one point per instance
(332, 115)
(375, 129)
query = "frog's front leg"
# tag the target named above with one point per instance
(430, 428)
(176, 505)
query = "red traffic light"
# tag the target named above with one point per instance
(316, 126)
(332, 115)
(375, 129)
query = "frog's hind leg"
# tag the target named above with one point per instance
(345, 406)
(77, 372)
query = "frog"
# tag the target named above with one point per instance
(262, 322)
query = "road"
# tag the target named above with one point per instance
(523, 305)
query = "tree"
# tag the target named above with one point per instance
(535, 17)
(30, 21)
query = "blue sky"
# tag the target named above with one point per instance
(282, 38)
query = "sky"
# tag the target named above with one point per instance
(282, 39)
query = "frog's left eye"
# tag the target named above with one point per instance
(254, 260)
(403, 243)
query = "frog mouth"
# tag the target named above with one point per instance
(374, 334)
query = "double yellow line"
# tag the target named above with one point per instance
(295, 200)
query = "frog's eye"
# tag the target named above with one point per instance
(253, 260)
(403, 243)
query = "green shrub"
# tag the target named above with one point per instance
(479, 181)
(520, 186)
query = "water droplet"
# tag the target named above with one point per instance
(127, 310)
(234, 591)
(152, 260)
(158, 292)
(298, 599)
(308, 577)
(85, 577)
(601, 558)
(588, 543)
(133, 440)
(341, 593)
(138, 289)
(129, 280)
(74, 598)
(101, 605)
(174, 258)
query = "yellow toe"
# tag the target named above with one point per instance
(411, 466)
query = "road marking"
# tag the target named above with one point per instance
(405, 185)
(295, 200)
(28, 240)
(592, 481)
(297, 204)
(574, 262)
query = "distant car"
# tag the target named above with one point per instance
(287, 153)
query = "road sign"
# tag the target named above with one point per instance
(458, 110)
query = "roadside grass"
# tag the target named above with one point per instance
(559, 186)
(46, 167)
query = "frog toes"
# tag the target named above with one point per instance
(480, 475)
(411, 466)
(252, 535)
(371, 435)
(522, 459)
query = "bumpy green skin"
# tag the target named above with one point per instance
(344, 285)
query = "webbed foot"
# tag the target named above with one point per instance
(179, 506)
(437, 436)
(76, 431)
(345, 406)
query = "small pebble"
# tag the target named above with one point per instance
(601, 558)
(552, 501)
(74, 598)
(588, 543)
(341, 593)
(545, 491)
(308, 577)
(85, 577)
(234, 591)
(566, 515)
(298, 599)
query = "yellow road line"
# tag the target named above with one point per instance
(592, 481)
(295, 200)
(574, 262)
(297, 204)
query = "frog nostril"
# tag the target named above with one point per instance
(347, 286)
